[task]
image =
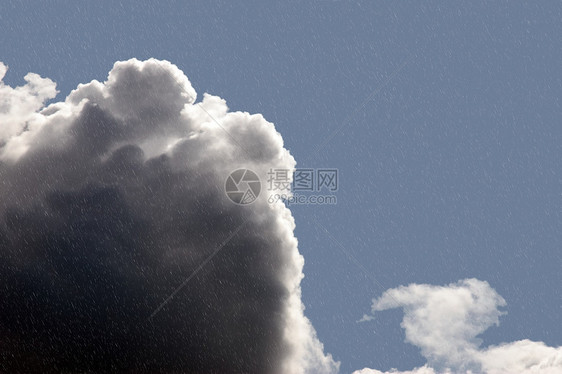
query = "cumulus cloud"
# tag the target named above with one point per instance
(110, 199)
(445, 321)
(19, 105)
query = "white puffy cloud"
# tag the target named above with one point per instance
(19, 105)
(523, 356)
(110, 199)
(421, 370)
(445, 321)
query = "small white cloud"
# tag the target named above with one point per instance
(421, 370)
(366, 318)
(18, 106)
(3, 70)
(445, 322)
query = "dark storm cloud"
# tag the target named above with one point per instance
(110, 200)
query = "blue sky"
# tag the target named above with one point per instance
(453, 170)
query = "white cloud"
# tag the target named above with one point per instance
(3, 70)
(445, 321)
(421, 370)
(19, 105)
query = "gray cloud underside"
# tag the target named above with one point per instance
(109, 200)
